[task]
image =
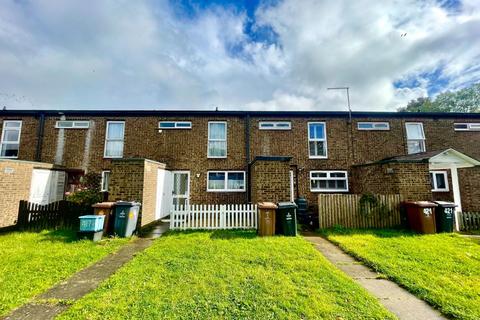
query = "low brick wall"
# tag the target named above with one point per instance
(136, 180)
(16, 178)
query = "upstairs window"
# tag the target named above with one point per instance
(275, 125)
(317, 140)
(328, 181)
(10, 139)
(175, 125)
(226, 181)
(373, 126)
(66, 124)
(114, 137)
(105, 180)
(415, 137)
(217, 139)
(466, 126)
(439, 181)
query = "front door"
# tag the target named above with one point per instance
(181, 188)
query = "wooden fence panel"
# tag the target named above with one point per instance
(345, 210)
(469, 221)
(60, 214)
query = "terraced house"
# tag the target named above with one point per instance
(162, 158)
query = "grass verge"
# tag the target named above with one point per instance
(30, 263)
(442, 269)
(228, 275)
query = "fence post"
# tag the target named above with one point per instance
(222, 216)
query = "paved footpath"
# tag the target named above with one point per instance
(53, 302)
(396, 299)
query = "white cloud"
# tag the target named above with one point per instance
(125, 54)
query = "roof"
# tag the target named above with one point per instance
(212, 113)
(437, 157)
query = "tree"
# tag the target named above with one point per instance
(464, 100)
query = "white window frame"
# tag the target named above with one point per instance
(275, 125)
(76, 124)
(434, 181)
(2, 142)
(328, 177)
(226, 181)
(102, 189)
(106, 140)
(424, 147)
(175, 125)
(471, 126)
(374, 126)
(315, 139)
(217, 140)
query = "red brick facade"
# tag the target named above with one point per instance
(187, 149)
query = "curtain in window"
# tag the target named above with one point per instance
(216, 180)
(236, 181)
(414, 131)
(217, 131)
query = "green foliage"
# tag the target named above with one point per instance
(443, 269)
(228, 275)
(464, 100)
(86, 197)
(33, 262)
(89, 191)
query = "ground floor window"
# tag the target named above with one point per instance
(439, 181)
(226, 181)
(328, 181)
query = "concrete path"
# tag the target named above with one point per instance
(59, 298)
(396, 299)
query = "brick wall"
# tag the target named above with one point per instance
(469, 180)
(15, 175)
(136, 180)
(270, 181)
(411, 180)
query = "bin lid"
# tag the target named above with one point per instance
(266, 205)
(422, 204)
(127, 203)
(90, 216)
(104, 205)
(446, 204)
(287, 204)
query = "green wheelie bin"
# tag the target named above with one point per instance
(126, 217)
(286, 220)
(445, 216)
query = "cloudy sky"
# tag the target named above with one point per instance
(260, 55)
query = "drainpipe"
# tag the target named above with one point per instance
(247, 155)
(40, 133)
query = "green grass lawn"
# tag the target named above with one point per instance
(30, 263)
(443, 269)
(228, 275)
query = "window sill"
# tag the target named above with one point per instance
(9, 157)
(212, 157)
(225, 191)
(328, 191)
(111, 157)
(318, 157)
(441, 190)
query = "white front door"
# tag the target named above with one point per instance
(181, 188)
(164, 193)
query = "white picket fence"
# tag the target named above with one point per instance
(214, 216)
